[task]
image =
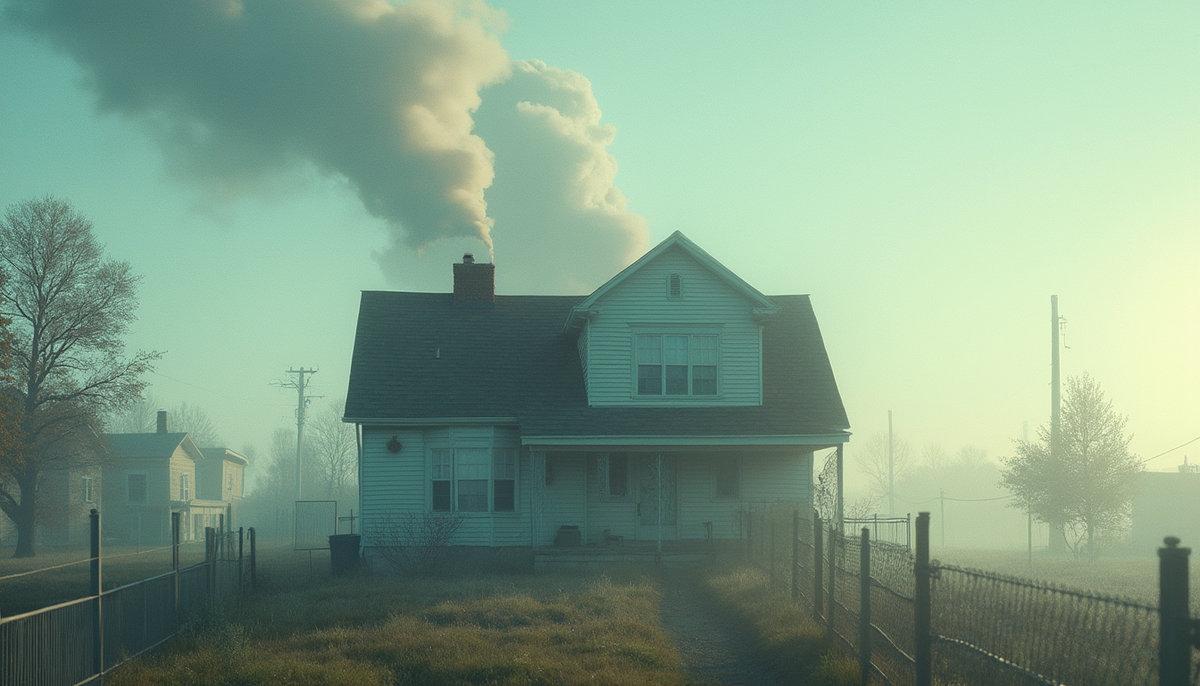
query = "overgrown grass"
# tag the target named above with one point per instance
(547, 629)
(798, 647)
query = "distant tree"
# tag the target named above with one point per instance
(871, 456)
(1085, 482)
(70, 308)
(11, 438)
(138, 417)
(335, 448)
(194, 421)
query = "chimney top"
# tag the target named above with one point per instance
(162, 421)
(474, 282)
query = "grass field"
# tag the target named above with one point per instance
(307, 628)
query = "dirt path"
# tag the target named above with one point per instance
(713, 652)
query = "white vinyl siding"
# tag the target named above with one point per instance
(582, 345)
(640, 304)
(398, 485)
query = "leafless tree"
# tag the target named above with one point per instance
(70, 308)
(138, 417)
(194, 421)
(871, 456)
(333, 444)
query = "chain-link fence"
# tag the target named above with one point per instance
(979, 627)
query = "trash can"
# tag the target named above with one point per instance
(343, 553)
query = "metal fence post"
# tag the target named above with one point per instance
(241, 572)
(253, 564)
(818, 565)
(833, 550)
(221, 536)
(864, 607)
(750, 536)
(795, 554)
(1175, 626)
(96, 588)
(175, 516)
(772, 567)
(210, 559)
(922, 606)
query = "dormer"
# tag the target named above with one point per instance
(674, 329)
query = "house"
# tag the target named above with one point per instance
(147, 476)
(66, 496)
(221, 476)
(1166, 504)
(661, 407)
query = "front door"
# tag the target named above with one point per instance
(655, 471)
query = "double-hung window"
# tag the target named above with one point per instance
(677, 365)
(87, 489)
(473, 479)
(185, 486)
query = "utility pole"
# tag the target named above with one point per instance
(891, 471)
(1058, 541)
(300, 384)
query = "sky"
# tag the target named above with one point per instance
(930, 173)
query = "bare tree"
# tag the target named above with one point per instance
(871, 456)
(138, 417)
(194, 421)
(70, 308)
(333, 443)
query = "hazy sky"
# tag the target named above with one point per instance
(929, 173)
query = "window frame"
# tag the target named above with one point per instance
(605, 461)
(436, 457)
(88, 489)
(185, 486)
(693, 332)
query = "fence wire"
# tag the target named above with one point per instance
(987, 628)
(997, 629)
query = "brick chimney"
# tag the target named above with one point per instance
(474, 283)
(162, 421)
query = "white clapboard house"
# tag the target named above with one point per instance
(662, 407)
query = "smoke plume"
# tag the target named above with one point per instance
(236, 91)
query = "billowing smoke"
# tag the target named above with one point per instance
(236, 91)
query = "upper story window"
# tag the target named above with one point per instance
(87, 490)
(677, 364)
(474, 479)
(185, 487)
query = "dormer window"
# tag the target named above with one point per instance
(674, 286)
(676, 365)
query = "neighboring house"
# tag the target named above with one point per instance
(147, 476)
(221, 476)
(669, 402)
(1166, 504)
(65, 498)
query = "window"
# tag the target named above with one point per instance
(465, 479)
(185, 490)
(135, 488)
(727, 476)
(676, 364)
(229, 482)
(614, 475)
(87, 489)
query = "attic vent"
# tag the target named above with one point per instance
(674, 286)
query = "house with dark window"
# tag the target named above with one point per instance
(662, 407)
(147, 476)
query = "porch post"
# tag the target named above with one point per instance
(840, 514)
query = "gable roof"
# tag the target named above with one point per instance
(150, 445)
(219, 453)
(418, 357)
(763, 305)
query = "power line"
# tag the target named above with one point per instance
(1171, 450)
